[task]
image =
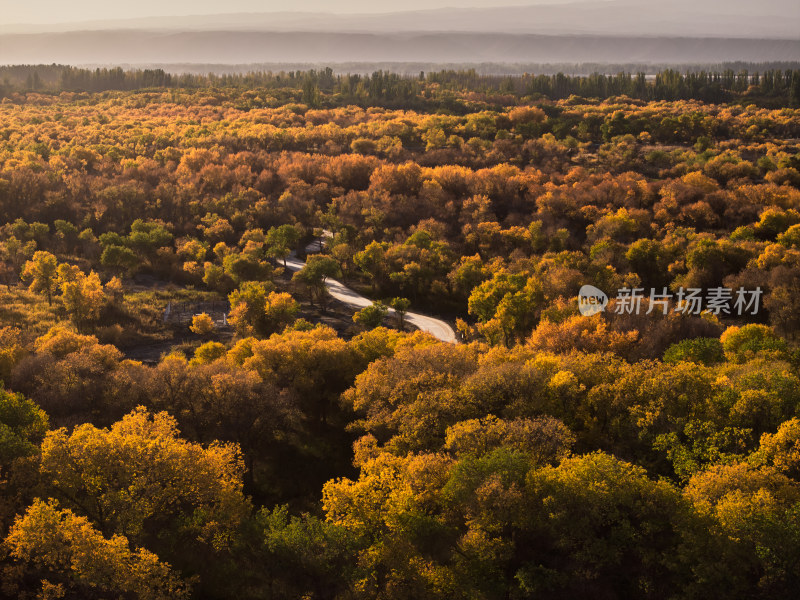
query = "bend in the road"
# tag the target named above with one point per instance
(436, 327)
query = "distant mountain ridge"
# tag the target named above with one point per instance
(691, 18)
(608, 31)
(141, 47)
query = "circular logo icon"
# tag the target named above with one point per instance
(591, 300)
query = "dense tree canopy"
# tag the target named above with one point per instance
(186, 412)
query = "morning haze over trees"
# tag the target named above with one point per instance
(187, 412)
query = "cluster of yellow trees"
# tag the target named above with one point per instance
(473, 463)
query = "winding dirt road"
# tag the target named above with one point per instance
(436, 327)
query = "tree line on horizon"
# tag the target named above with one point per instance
(775, 86)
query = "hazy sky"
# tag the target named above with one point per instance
(59, 11)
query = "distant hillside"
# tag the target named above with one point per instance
(137, 47)
(676, 18)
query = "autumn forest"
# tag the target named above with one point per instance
(187, 412)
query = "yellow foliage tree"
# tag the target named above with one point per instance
(202, 324)
(42, 272)
(141, 480)
(60, 546)
(83, 297)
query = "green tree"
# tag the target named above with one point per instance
(496, 524)
(371, 316)
(13, 255)
(67, 234)
(649, 259)
(372, 261)
(248, 302)
(313, 275)
(305, 556)
(123, 260)
(147, 237)
(742, 343)
(508, 303)
(215, 277)
(401, 306)
(281, 240)
(22, 428)
(707, 351)
(255, 308)
(241, 267)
